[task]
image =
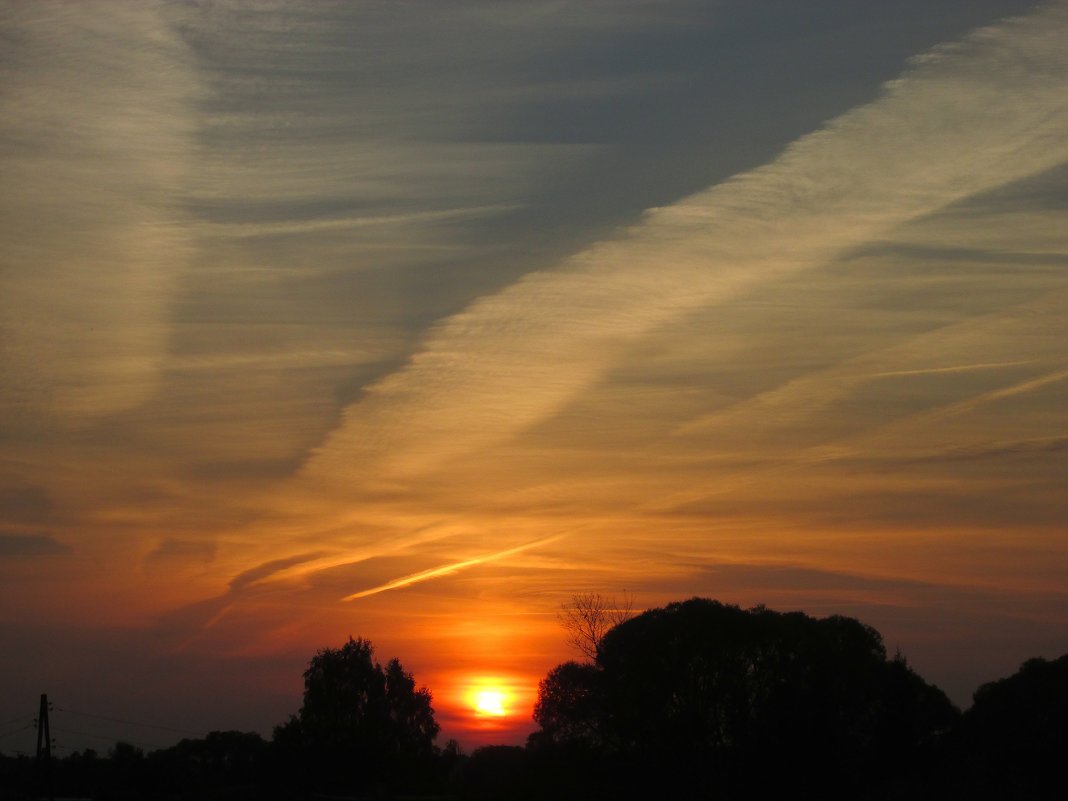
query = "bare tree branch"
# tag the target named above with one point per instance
(589, 616)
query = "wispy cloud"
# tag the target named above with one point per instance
(945, 349)
(964, 119)
(955, 368)
(97, 117)
(320, 224)
(256, 574)
(445, 570)
(172, 549)
(31, 545)
(189, 620)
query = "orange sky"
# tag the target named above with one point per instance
(322, 321)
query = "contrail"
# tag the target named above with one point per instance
(445, 570)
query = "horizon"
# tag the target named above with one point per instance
(413, 321)
(488, 710)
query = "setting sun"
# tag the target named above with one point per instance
(490, 702)
(484, 707)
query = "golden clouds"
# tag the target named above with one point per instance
(98, 119)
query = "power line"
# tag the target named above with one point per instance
(129, 722)
(16, 731)
(15, 719)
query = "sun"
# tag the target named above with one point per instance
(489, 700)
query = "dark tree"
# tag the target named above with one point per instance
(567, 709)
(361, 726)
(124, 775)
(701, 699)
(497, 773)
(1013, 740)
(222, 759)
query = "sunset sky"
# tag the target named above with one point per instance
(410, 319)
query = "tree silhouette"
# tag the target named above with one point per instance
(567, 709)
(698, 698)
(361, 725)
(220, 759)
(1013, 739)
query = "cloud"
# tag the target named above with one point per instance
(192, 550)
(962, 120)
(946, 349)
(924, 505)
(189, 620)
(97, 121)
(397, 221)
(26, 504)
(783, 579)
(248, 577)
(1000, 449)
(447, 569)
(31, 545)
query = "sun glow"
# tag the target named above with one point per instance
(485, 706)
(490, 702)
(490, 699)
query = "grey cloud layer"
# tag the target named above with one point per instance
(30, 545)
(963, 120)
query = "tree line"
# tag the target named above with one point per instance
(695, 700)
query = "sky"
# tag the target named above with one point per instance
(411, 320)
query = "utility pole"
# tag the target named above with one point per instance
(43, 766)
